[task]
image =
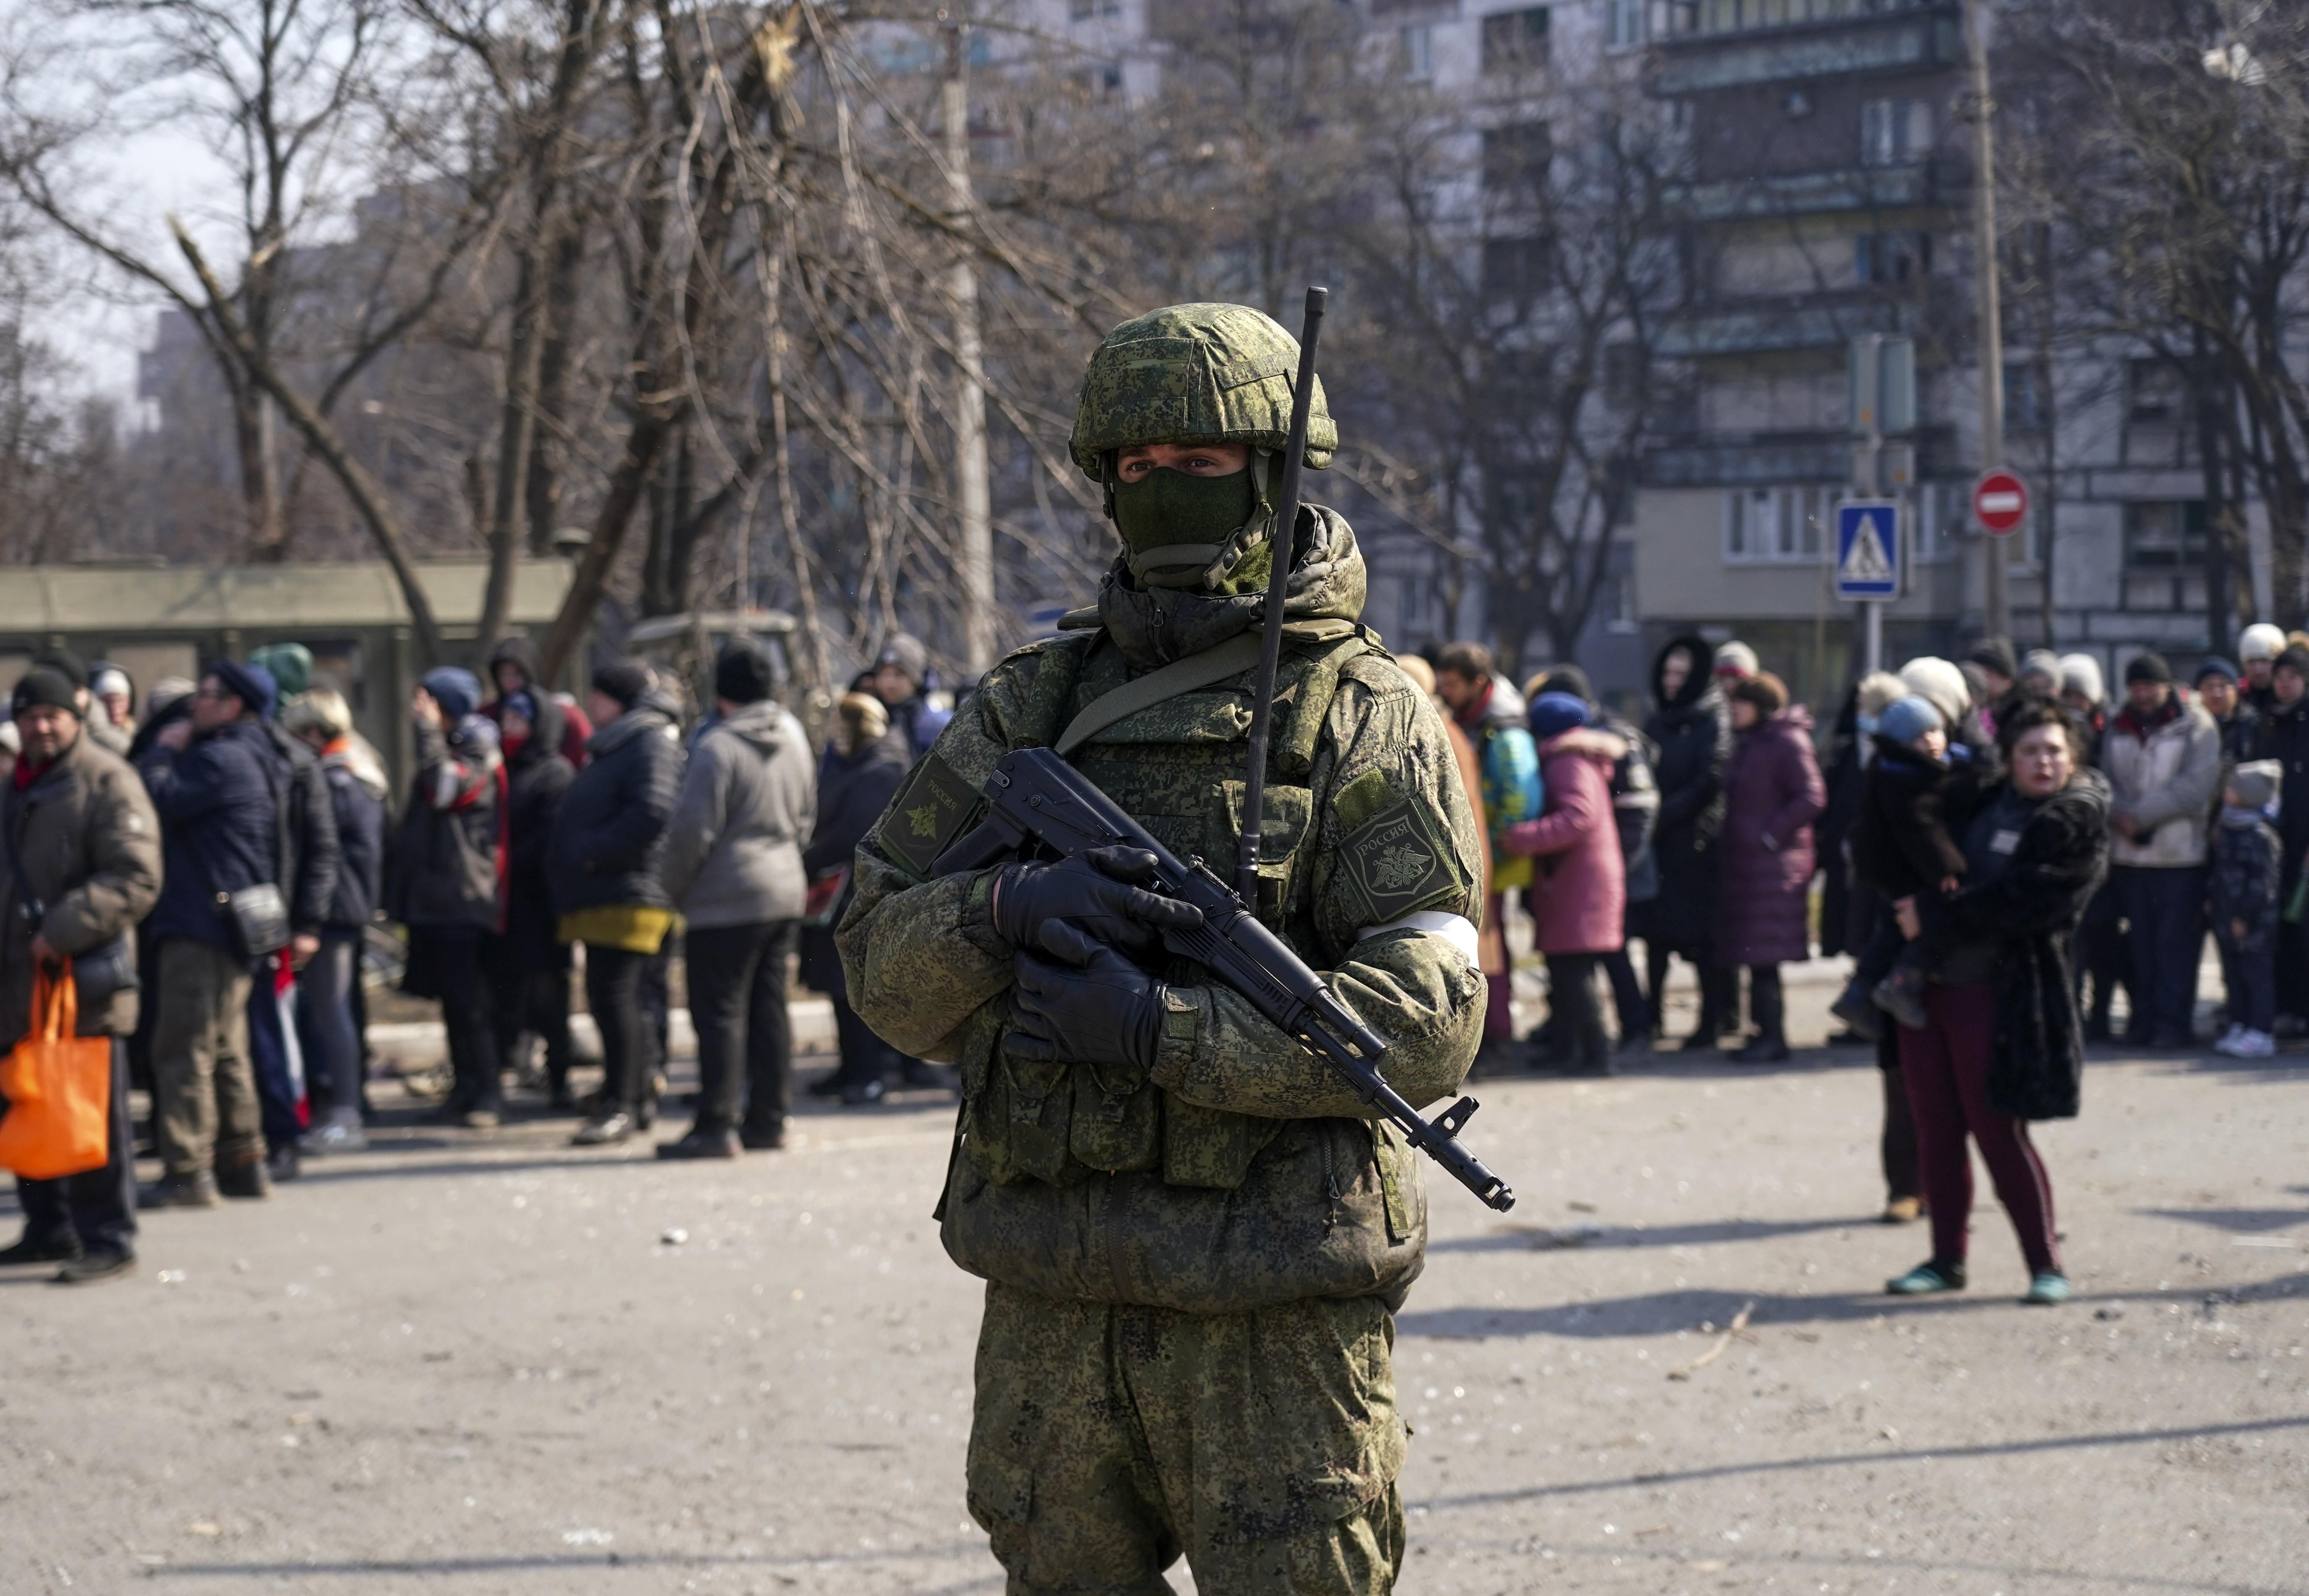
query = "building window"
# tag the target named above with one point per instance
(2027, 403)
(1516, 271)
(1777, 526)
(1623, 23)
(1418, 46)
(1895, 131)
(1516, 40)
(2157, 394)
(1084, 10)
(1516, 159)
(1891, 257)
(2164, 534)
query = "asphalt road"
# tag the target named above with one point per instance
(476, 1363)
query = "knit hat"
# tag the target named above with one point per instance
(166, 691)
(625, 681)
(1766, 691)
(253, 685)
(1565, 679)
(2044, 663)
(2147, 666)
(2216, 666)
(456, 690)
(742, 674)
(1736, 659)
(1552, 715)
(1876, 693)
(1905, 719)
(1996, 653)
(2295, 659)
(109, 679)
(290, 663)
(2081, 674)
(44, 687)
(522, 702)
(2261, 640)
(1934, 678)
(2256, 782)
(908, 654)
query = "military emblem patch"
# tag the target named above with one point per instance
(1397, 866)
(929, 814)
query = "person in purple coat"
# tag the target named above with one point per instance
(1773, 792)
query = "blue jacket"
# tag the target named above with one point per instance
(216, 804)
(608, 834)
(357, 792)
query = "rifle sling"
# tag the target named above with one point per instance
(1236, 655)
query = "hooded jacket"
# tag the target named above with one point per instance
(575, 727)
(88, 844)
(1579, 895)
(609, 837)
(449, 865)
(537, 775)
(748, 800)
(1694, 739)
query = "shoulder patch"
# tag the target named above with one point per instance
(1397, 863)
(929, 813)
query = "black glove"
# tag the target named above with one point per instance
(1093, 1007)
(1093, 892)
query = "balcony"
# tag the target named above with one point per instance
(1809, 326)
(1772, 459)
(1940, 181)
(1695, 62)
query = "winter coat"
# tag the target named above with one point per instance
(1510, 763)
(609, 838)
(2029, 912)
(2238, 733)
(312, 861)
(537, 775)
(569, 741)
(2284, 737)
(88, 844)
(1694, 739)
(1841, 771)
(1901, 844)
(2247, 861)
(357, 795)
(748, 799)
(1578, 895)
(1772, 793)
(854, 790)
(2165, 774)
(449, 863)
(215, 801)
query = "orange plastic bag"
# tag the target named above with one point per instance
(58, 1088)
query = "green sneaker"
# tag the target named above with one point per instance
(2047, 1289)
(1925, 1278)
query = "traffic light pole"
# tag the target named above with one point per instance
(1987, 310)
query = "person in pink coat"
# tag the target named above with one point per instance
(1579, 889)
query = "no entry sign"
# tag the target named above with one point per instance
(1999, 500)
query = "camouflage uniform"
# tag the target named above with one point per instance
(1192, 1273)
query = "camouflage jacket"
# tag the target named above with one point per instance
(1243, 1173)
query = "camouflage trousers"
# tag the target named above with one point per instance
(1107, 1440)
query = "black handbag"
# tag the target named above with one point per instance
(98, 972)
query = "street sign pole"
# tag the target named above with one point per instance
(1986, 312)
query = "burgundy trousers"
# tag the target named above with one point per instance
(1945, 1067)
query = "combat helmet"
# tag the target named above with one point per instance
(1195, 374)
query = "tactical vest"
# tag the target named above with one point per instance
(1178, 769)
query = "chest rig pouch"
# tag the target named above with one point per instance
(1177, 768)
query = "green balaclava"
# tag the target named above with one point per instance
(1175, 527)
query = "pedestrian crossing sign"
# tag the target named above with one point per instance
(1868, 549)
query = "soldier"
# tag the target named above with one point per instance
(1193, 1238)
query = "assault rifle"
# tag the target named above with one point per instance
(1040, 806)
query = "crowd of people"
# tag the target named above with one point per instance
(1999, 848)
(211, 869)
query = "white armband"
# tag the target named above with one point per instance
(1453, 928)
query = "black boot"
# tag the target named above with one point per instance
(53, 1246)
